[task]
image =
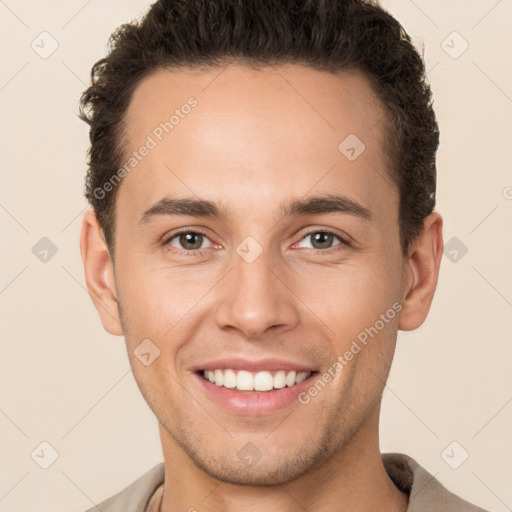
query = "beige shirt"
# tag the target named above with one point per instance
(426, 494)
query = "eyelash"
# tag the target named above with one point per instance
(200, 252)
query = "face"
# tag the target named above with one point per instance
(257, 244)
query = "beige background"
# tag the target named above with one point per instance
(67, 382)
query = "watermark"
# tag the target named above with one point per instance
(342, 361)
(454, 455)
(152, 141)
(44, 455)
(455, 249)
(249, 454)
(44, 45)
(146, 352)
(454, 45)
(352, 147)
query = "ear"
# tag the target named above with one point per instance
(99, 273)
(422, 273)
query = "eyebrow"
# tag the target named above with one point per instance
(203, 208)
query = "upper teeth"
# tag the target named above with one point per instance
(257, 381)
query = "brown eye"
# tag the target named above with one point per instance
(323, 240)
(191, 241)
(187, 240)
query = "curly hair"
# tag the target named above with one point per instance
(328, 35)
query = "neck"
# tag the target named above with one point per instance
(352, 479)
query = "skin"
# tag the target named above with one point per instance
(252, 143)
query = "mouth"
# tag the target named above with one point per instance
(250, 387)
(263, 381)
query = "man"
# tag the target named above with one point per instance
(262, 177)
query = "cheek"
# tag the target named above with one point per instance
(350, 297)
(155, 298)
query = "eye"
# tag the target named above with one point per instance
(322, 240)
(188, 241)
(191, 242)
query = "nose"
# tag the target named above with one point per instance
(257, 296)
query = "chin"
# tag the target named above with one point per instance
(249, 465)
(234, 472)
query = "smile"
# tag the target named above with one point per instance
(265, 380)
(254, 393)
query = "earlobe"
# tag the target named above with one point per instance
(99, 273)
(422, 273)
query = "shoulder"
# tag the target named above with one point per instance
(134, 497)
(426, 493)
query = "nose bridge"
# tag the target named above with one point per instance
(255, 298)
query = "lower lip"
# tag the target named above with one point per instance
(255, 403)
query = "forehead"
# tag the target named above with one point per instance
(258, 129)
(272, 95)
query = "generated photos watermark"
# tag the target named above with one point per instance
(342, 360)
(152, 141)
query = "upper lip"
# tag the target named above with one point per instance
(253, 365)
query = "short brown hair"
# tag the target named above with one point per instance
(330, 35)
